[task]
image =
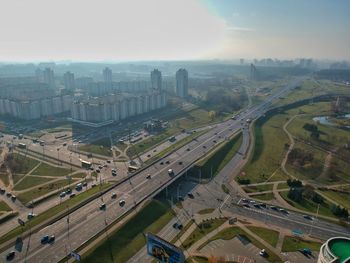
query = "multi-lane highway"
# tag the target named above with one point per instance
(81, 225)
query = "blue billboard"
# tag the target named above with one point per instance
(163, 251)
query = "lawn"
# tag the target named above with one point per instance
(129, 238)
(291, 244)
(312, 170)
(52, 212)
(206, 211)
(310, 206)
(4, 178)
(341, 198)
(212, 164)
(269, 235)
(282, 186)
(264, 197)
(202, 229)
(4, 207)
(20, 164)
(258, 188)
(30, 195)
(30, 181)
(48, 170)
(101, 147)
(269, 149)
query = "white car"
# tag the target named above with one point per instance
(170, 172)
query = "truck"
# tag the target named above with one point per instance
(22, 145)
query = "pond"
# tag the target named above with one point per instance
(329, 120)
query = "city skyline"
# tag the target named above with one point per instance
(153, 30)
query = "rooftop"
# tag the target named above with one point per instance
(340, 247)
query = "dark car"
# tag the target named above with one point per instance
(103, 206)
(188, 149)
(180, 163)
(308, 217)
(10, 255)
(204, 146)
(51, 239)
(44, 239)
(190, 195)
(161, 163)
(72, 195)
(167, 162)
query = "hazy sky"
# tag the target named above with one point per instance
(117, 30)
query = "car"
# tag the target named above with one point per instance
(62, 194)
(114, 173)
(190, 195)
(100, 167)
(2, 191)
(8, 195)
(51, 239)
(68, 191)
(188, 149)
(180, 226)
(170, 172)
(148, 155)
(72, 195)
(246, 205)
(84, 184)
(263, 253)
(284, 211)
(175, 225)
(180, 163)
(10, 255)
(167, 162)
(30, 215)
(108, 161)
(263, 205)
(114, 196)
(44, 239)
(122, 203)
(97, 171)
(103, 206)
(13, 197)
(161, 163)
(257, 206)
(204, 146)
(214, 141)
(274, 208)
(308, 217)
(91, 168)
(148, 176)
(93, 185)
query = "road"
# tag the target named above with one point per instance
(81, 225)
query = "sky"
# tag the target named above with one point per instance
(119, 30)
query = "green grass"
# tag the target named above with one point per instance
(30, 181)
(79, 175)
(341, 198)
(4, 207)
(264, 197)
(231, 232)
(202, 229)
(49, 170)
(291, 244)
(4, 178)
(52, 212)
(101, 147)
(22, 165)
(269, 149)
(282, 186)
(217, 159)
(258, 188)
(129, 239)
(310, 206)
(30, 195)
(269, 235)
(206, 211)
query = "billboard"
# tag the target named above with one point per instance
(163, 251)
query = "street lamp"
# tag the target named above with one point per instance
(58, 155)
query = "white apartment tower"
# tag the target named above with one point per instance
(49, 77)
(181, 88)
(69, 81)
(156, 80)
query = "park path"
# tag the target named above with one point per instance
(327, 164)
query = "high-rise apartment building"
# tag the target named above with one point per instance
(49, 77)
(107, 75)
(69, 81)
(156, 79)
(181, 88)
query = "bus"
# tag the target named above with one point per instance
(132, 168)
(85, 164)
(22, 145)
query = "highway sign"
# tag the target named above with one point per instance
(163, 251)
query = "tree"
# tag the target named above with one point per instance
(212, 115)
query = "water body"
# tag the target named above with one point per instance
(327, 120)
